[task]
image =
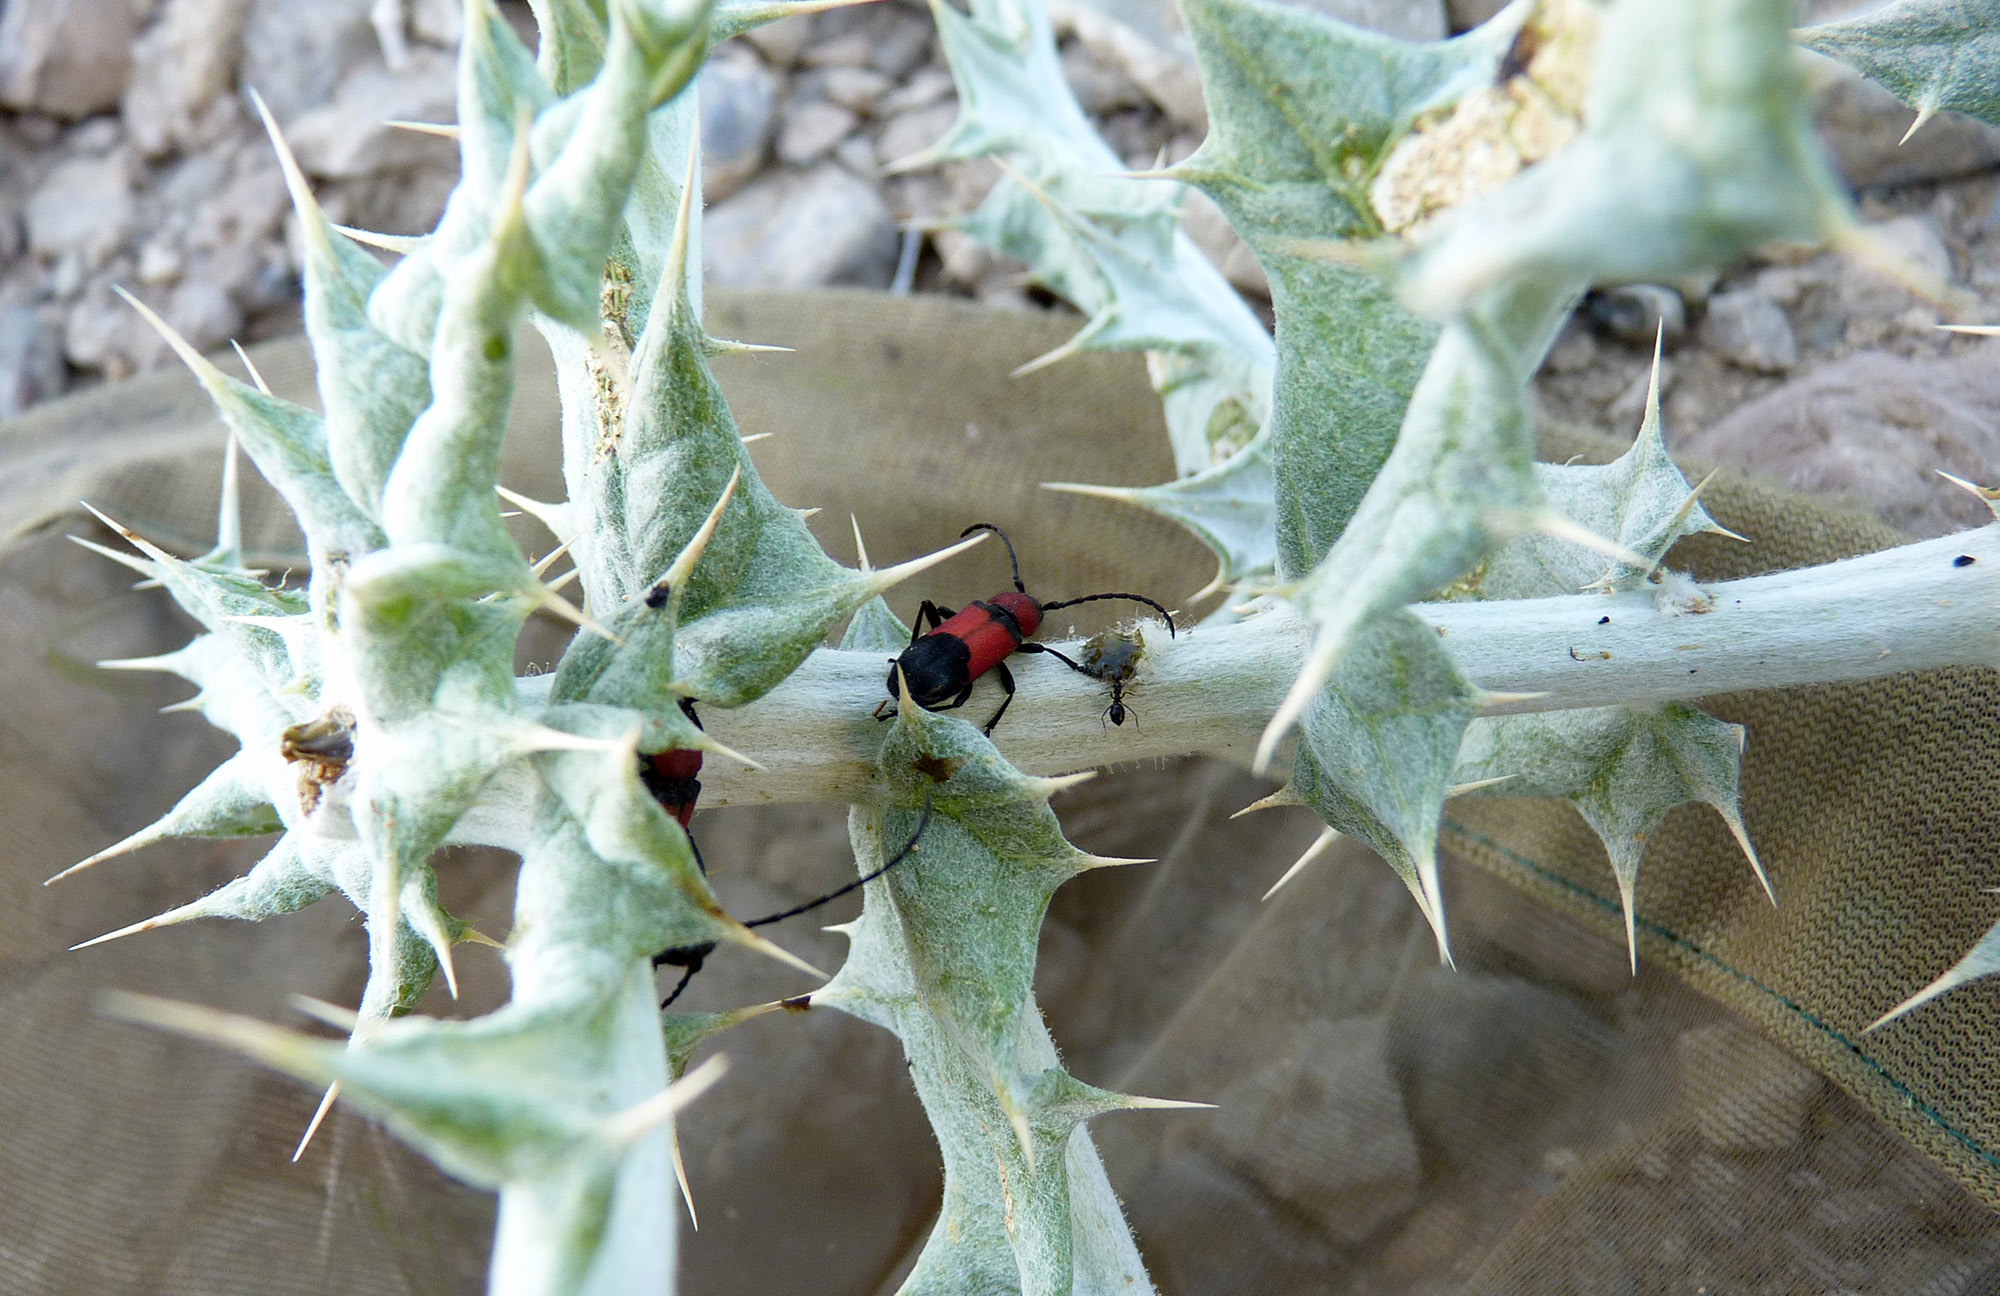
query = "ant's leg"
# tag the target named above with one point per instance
(1074, 665)
(1006, 682)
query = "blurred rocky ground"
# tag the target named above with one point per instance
(129, 155)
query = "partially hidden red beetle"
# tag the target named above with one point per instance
(672, 778)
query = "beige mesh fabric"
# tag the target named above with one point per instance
(1537, 1121)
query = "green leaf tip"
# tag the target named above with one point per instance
(1931, 54)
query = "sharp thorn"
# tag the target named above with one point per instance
(319, 1114)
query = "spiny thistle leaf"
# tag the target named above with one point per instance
(1698, 147)
(943, 955)
(634, 862)
(1109, 244)
(233, 801)
(662, 449)
(1931, 54)
(1376, 749)
(372, 387)
(1230, 507)
(566, 1146)
(263, 629)
(1302, 111)
(1461, 477)
(1623, 768)
(1639, 500)
(288, 444)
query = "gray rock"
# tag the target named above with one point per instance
(1863, 126)
(1464, 15)
(438, 22)
(892, 39)
(738, 101)
(31, 361)
(1574, 350)
(927, 87)
(203, 313)
(13, 238)
(856, 89)
(97, 136)
(1875, 428)
(66, 58)
(850, 50)
(296, 54)
(791, 229)
(1635, 313)
(247, 210)
(103, 332)
(1144, 40)
(393, 202)
(1099, 87)
(781, 41)
(913, 132)
(349, 134)
(902, 40)
(1750, 331)
(184, 68)
(1917, 240)
(160, 262)
(66, 278)
(812, 127)
(83, 206)
(1324, 1130)
(1479, 1054)
(1405, 19)
(857, 154)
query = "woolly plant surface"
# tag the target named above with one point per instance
(1405, 575)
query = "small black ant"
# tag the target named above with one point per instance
(1114, 658)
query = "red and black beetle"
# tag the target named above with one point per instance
(941, 664)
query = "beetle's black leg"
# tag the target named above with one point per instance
(1006, 682)
(931, 612)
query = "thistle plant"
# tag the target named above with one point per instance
(1420, 609)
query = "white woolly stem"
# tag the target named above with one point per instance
(1213, 689)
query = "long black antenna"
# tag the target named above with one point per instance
(923, 821)
(1012, 561)
(1136, 598)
